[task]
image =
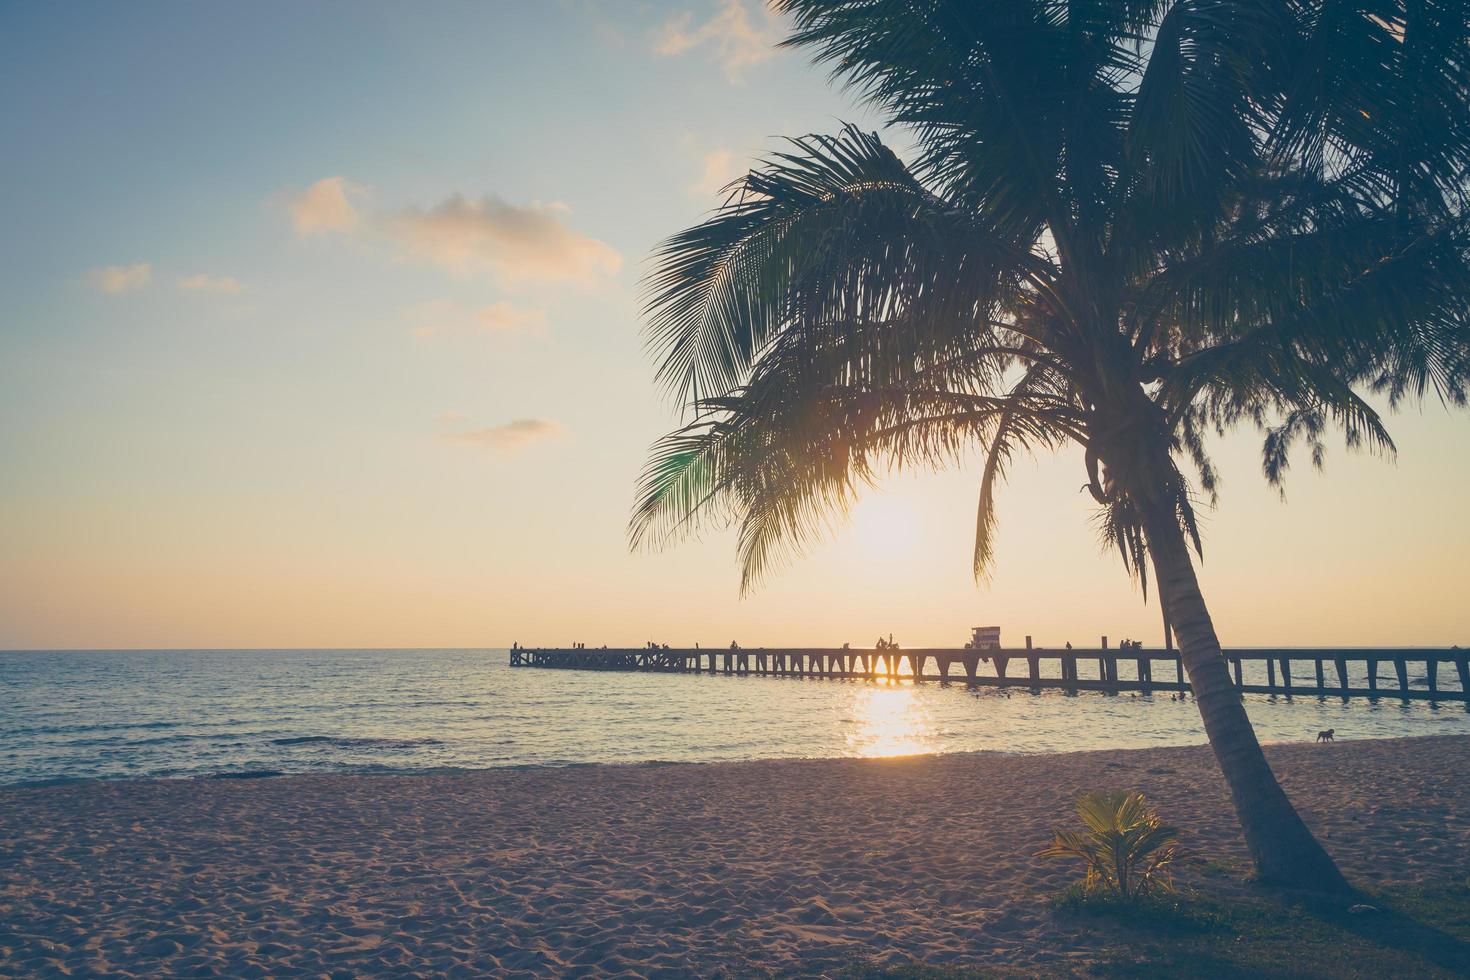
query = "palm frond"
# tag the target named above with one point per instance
(1127, 223)
(1190, 139)
(837, 228)
(1013, 432)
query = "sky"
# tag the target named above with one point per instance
(319, 326)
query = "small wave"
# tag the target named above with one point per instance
(124, 741)
(88, 729)
(349, 742)
(246, 774)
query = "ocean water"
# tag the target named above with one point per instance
(179, 713)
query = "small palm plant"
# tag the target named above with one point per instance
(1127, 849)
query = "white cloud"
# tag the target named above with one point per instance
(505, 317)
(443, 318)
(717, 168)
(121, 278)
(738, 39)
(509, 437)
(516, 244)
(325, 206)
(205, 283)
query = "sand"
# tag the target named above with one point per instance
(656, 870)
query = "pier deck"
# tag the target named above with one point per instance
(1404, 673)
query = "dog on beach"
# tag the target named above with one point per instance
(1326, 736)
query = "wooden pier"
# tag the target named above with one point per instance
(1409, 674)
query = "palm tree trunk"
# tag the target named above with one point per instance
(1284, 850)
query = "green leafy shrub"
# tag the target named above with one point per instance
(1126, 849)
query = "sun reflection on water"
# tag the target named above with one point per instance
(890, 720)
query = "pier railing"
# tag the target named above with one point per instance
(1404, 673)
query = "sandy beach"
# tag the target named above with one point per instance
(653, 870)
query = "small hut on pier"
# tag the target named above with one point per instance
(984, 637)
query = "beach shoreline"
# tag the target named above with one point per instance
(653, 868)
(370, 771)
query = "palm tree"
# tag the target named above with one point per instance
(1124, 224)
